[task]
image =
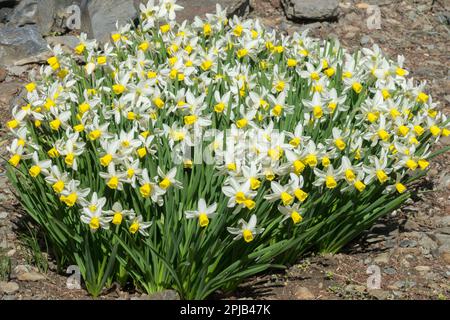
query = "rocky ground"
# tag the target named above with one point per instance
(408, 251)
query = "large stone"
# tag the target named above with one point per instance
(311, 9)
(427, 244)
(103, 15)
(8, 90)
(24, 13)
(30, 276)
(443, 239)
(5, 13)
(21, 43)
(49, 15)
(303, 293)
(66, 42)
(445, 221)
(8, 287)
(382, 258)
(201, 7)
(27, 273)
(52, 15)
(379, 294)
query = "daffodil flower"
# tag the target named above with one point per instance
(113, 179)
(150, 189)
(239, 194)
(117, 213)
(330, 178)
(204, 213)
(252, 174)
(247, 230)
(168, 179)
(39, 166)
(317, 106)
(294, 212)
(57, 179)
(279, 192)
(71, 149)
(137, 224)
(72, 194)
(95, 219)
(378, 169)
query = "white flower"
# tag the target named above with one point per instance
(137, 224)
(168, 179)
(247, 230)
(293, 212)
(168, 8)
(203, 213)
(239, 194)
(118, 213)
(39, 166)
(114, 180)
(95, 218)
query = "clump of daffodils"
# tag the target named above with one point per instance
(294, 127)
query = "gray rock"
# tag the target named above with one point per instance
(365, 40)
(30, 276)
(27, 273)
(443, 248)
(311, 9)
(445, 230)
(18, 70)
(8, 287)
(70, 42)
(3, 214)
(303, 293)
(19, 98)
(389, 270)
(24, 13)
(402, 284)
(422, 268)
(447, 97)
(411, 225)
(21, 43)
(355, 289)
(379, 294)
(374, 238)
(382, 258)
(390, 243)
(52, 15)
(5, 13)
(427, 244)
(103, 15)
(49, 15)
(39, 58)
(444, 17)
(406, 243)
(422, 8)
(164, 295)
(412, 15)
(443, 239)
(7, 92)
(201, 7)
